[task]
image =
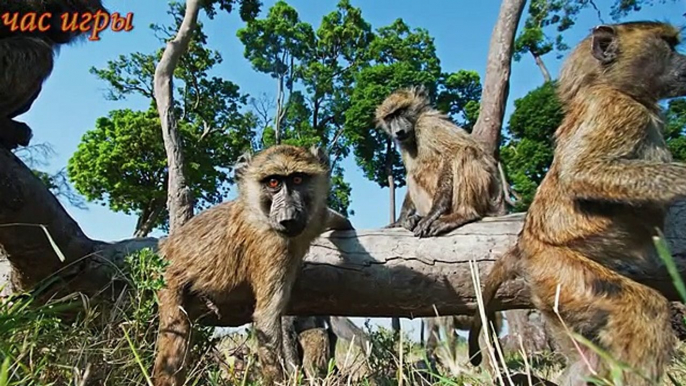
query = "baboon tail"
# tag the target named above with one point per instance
(172, 340)
(505, 268)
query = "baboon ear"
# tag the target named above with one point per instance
(421, 92)
(321, 155)
(241, 165)
(604, 44)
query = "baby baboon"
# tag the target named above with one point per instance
(594, 216)
(451, 179)
(26, 57)
(253, 244)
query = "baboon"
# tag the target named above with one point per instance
(309, 341)
(450, 325)
(451, 179)
(253, 245)
(26, 57)
(592, 221)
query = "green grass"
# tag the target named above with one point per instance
(111, 341)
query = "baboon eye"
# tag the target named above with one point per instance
(297, 180)
(273, 183)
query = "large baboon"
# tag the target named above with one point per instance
(26, 56)
(254, 244)
(595, 214)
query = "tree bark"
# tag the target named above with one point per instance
(541, 65)
(497, 80)
(179, 197)
(369, 273)
(395, 322)
(147, 219)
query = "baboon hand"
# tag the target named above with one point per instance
(426, 227)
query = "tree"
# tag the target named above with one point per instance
(179, 198)
(317, 67)
(547, 20)
(211, 129)
(36, 156)
(122, 163)
(675, 127)
(497, 81)
(529, 151)
(275, 45)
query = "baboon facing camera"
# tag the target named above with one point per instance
(257, 241)
(451, 179)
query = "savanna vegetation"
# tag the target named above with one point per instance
(92, 320)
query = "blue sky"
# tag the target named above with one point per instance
(72, 99)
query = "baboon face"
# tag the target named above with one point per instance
(398, 113)
(641, 57)
(399, 126)
(286, 185)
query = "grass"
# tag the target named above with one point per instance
(113, 343)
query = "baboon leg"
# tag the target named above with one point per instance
(408, 217)
(450, 335)
(172, 341)
(290, 344)
(432, 340)
(633, 325)
(271, 302)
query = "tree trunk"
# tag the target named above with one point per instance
(395, 322)
(542, 67)
(370, 273)
(179, 197)
(497, 80)
(147, 219)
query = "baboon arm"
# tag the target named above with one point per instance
(629, 181)
(441, 204)
(25, 63)
(336, 221)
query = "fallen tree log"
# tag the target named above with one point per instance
(372, 273)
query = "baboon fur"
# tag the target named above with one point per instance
(27, 59)
(451, 179)
(253, 245)
(594, 216)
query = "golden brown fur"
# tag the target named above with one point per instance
(240, 245)
(593, 218)
(316, 352)
(451, 179)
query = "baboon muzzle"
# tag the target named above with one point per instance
(286, 218)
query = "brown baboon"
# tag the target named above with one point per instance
(450, 325)
(26, 57)
(451, 179)
(308, 349)
(594, 216)
(254, 244)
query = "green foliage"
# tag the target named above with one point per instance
(529, 152)
(674, 128)
(319, 64)
(44, 347)
(401, 57)
(122, 162)
(547, 20)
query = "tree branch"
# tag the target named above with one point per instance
(371, 273)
